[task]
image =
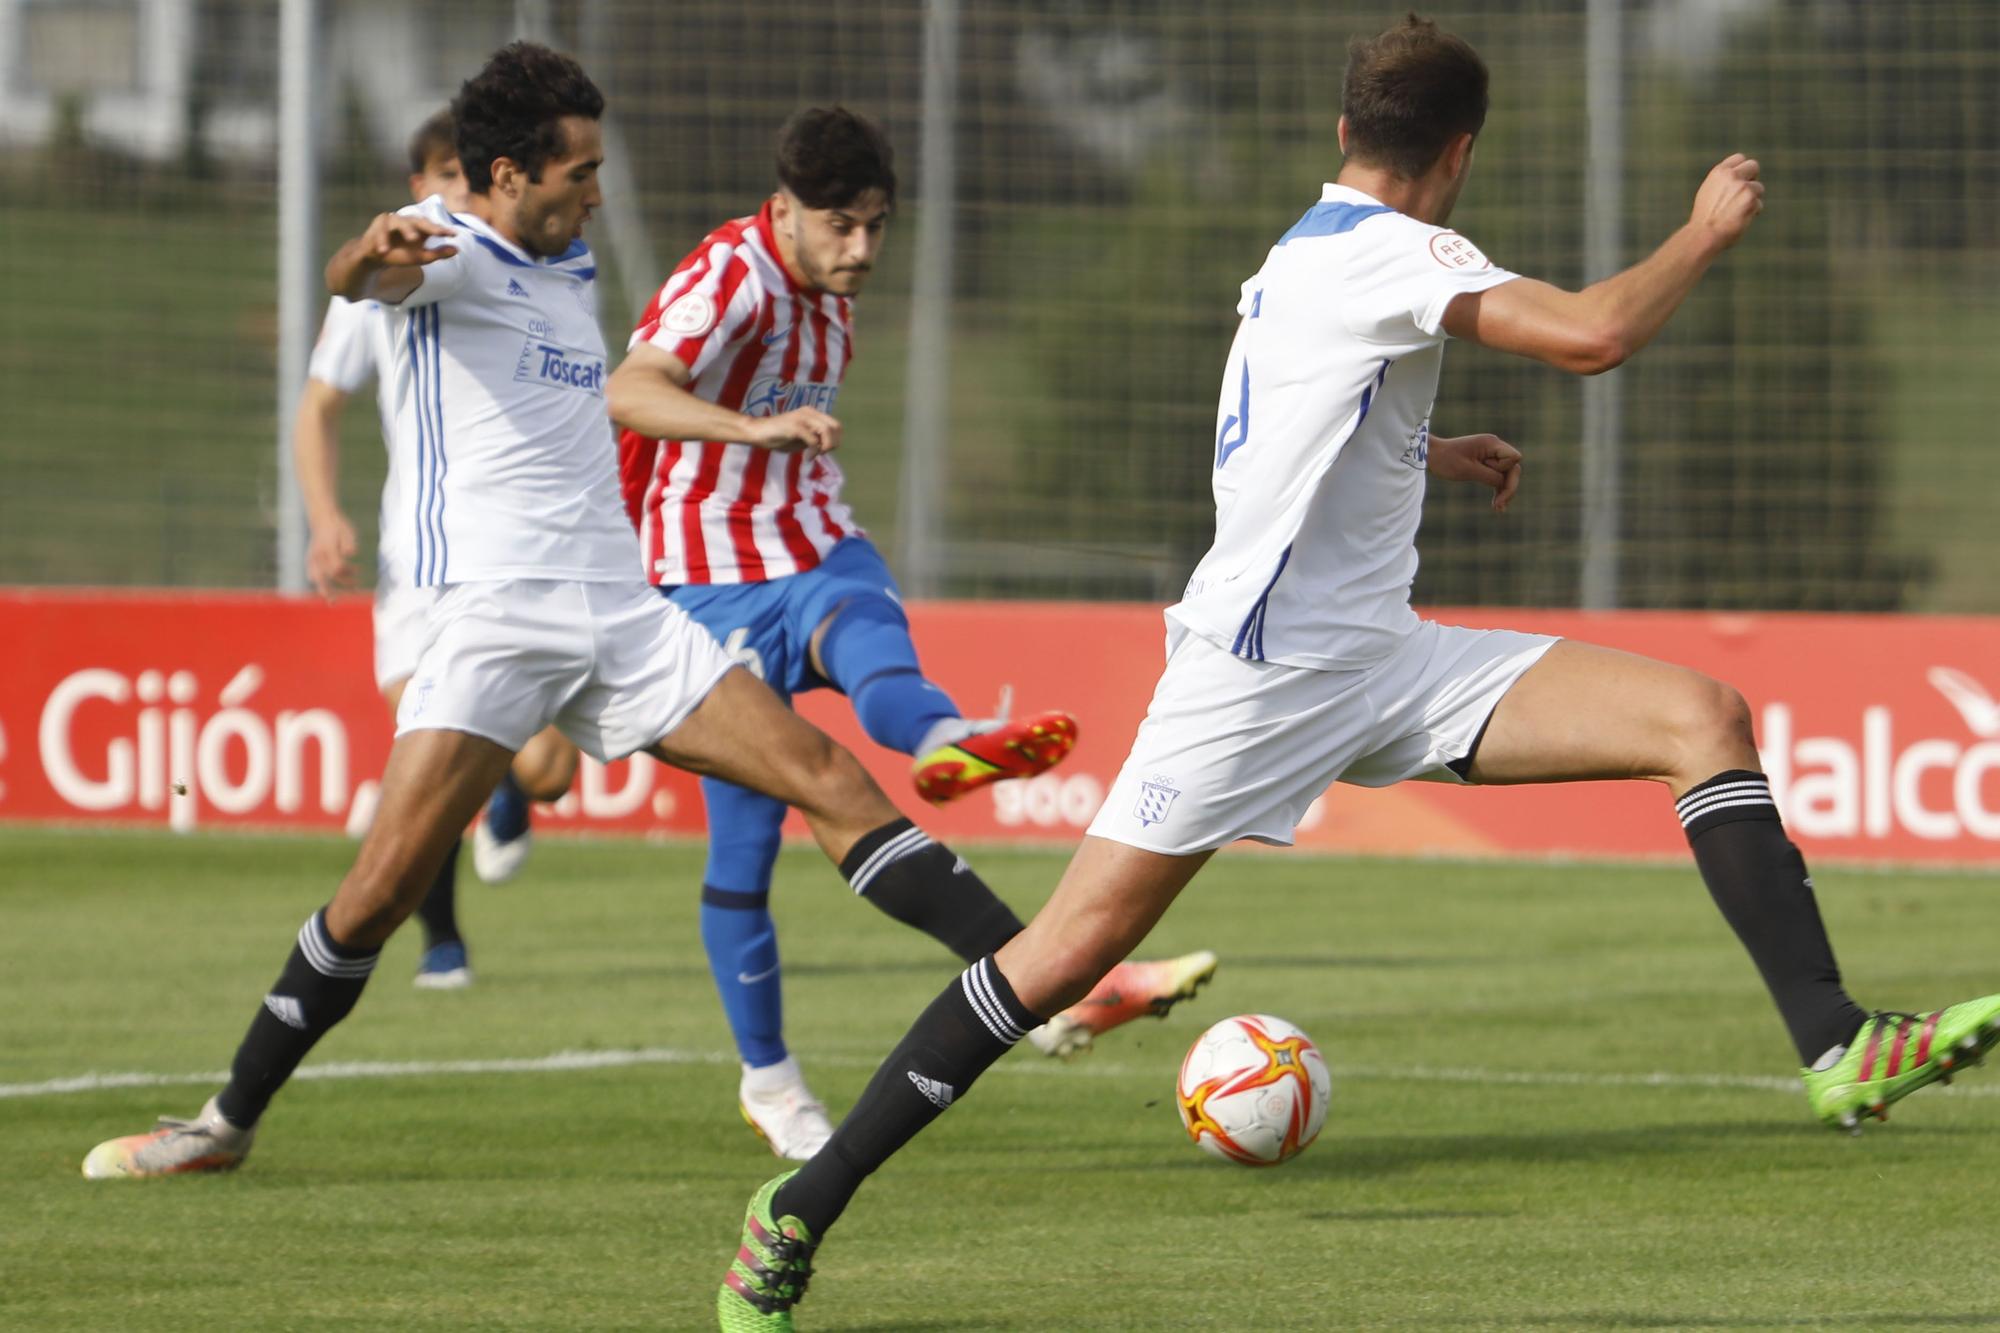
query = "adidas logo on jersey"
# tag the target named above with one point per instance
(288, 1010)
(516, 289)
(938, 1094)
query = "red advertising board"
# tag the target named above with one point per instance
(1881, 734)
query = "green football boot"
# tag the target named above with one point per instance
(770, 1272)
(1895, 1054)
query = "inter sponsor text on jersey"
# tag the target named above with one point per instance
(1322, 435)
(753, 341)
(497, 372)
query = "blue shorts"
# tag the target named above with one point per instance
(768, 626)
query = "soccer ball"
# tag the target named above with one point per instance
(1253, 1089)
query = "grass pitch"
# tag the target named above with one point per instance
(1560, 1101)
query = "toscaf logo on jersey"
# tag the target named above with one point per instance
(565, 367)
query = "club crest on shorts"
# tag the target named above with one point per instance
(1155, 799)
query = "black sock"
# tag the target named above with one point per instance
(439, 909)
(1759, 880)
(922, 884)
(320, 983)
(965, 1029)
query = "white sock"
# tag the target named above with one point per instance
(773, 1078)
(945, 731)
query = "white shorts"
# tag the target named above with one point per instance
(1233, 749)
(615, 666)
(402, 625)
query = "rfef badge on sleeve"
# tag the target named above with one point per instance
(1455, 252)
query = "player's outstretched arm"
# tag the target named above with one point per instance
(648, 394)
(316, 450)
(386, 262)
(1591, 331)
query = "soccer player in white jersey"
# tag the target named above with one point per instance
(353, 351)
(1295, 660)
(726, 399)
(541, 616)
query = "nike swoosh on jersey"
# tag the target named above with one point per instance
(772, 338)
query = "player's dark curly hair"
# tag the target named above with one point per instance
(1409, 92)
(829, 156)
(514, 107)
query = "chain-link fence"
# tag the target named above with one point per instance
(1808, 434)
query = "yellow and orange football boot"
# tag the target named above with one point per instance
(175, 1147)
(1130, 990)
(994, 753)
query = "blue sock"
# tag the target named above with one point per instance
(868, 656)
(736, 926)
(507, 809)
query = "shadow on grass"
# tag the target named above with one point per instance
(1390, 1155)
(943, 968)
(1405, 1215)
(1387, 1155)
(1234, 961)
(1613, 1319)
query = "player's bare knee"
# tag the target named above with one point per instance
(546, 768)
(1713, 729)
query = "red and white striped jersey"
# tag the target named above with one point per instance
(710, 511)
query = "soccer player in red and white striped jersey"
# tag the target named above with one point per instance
(753, 341)
(726, 402)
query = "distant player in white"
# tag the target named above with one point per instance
(1294, 659)
(542, 614)
(355, 350)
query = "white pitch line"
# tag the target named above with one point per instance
(560, 1062)
(1558, 1078)
(567, 1061)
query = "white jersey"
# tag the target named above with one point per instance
(497, 375)
(353, 352)
(1323, 433)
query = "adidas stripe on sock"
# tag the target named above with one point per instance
(977, 982)
(330, 959)
(1727, 797)
(973, 1022)
(317, 988)
(922, 883)
(888, 847)
(1759, 881)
